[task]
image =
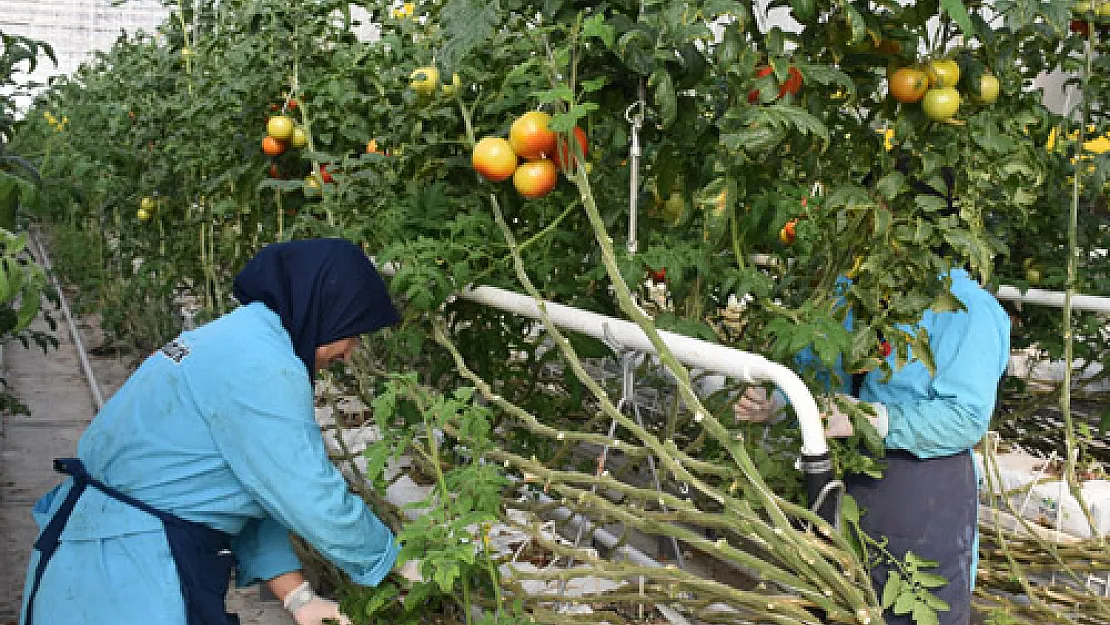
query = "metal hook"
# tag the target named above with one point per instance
(635, 116)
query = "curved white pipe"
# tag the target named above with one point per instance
(693, 352)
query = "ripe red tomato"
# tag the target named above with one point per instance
(565, 154)
(884, 348)
(324, 175)
(793, 82)
(658, 275)
(535, 179)
(291, 104)
(789, 232)
(272, 146)
(908, 85)
(792, 85)
(274, 172)
(530, 137)
(493, 158)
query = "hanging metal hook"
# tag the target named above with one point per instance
(635, 115)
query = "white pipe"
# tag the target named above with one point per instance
(693, 352)
(1040, 297)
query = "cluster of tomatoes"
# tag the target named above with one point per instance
(282, 132)
(147, 206)
(425, 82)
(934, 86)
(543, 152)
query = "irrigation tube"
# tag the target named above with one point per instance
(98, 399)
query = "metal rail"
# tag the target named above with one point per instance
(86, 367)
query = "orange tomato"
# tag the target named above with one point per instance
(530, 137)
(789, 232)
(566, 154)
(272, 146)
(535, 179)
(494, 159)
(908, 85)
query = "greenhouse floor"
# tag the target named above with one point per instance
(54, 388)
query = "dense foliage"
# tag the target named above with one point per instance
(772, 164)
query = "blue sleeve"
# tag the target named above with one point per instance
(262, 422)
(944, 414)
(263, 551)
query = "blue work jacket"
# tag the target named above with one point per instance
(217, 427)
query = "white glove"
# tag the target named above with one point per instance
(309, 609)
(838, 421)
(756, 405)
(410, 570)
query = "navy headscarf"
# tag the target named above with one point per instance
(323, 290)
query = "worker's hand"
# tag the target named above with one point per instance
(756, 405)
(308, 608)
(316, 611)
(838, 419)
(410, 571)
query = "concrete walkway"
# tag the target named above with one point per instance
(54, 388)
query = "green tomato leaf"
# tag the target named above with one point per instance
(924, 615)
(595, 26)
(929, 580)
(958, 12)
(933, 601)
(891, 184)
(905, 603)
(663, 96)
(892, 589)
(635, 50)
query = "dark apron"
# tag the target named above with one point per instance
(928, 507)
(201, 554)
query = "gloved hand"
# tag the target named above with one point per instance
(410, 570)
(838, 420)
(309, 609)
(756, 405)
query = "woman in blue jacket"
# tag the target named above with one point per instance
(926, 501)
(209, 455)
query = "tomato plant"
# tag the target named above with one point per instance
(717, 180)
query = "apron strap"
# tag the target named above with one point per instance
(201, 554)
(49, 539)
